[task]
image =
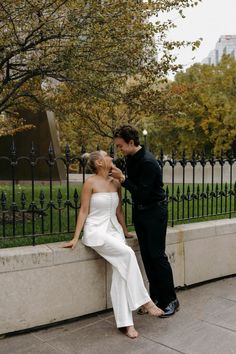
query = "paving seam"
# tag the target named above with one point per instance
(216, 325)
(225, 298)
(57, 349)
(66, 332)
(163, 345)
(50, 345)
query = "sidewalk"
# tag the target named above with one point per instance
(205, 324)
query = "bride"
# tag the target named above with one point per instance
(104, 229)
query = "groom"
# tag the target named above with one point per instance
(144, 181)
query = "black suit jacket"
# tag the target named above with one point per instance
(144, 178)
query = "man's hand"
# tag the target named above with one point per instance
(116, 172)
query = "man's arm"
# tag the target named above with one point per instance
(146, 181)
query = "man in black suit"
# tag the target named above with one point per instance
(144, 181)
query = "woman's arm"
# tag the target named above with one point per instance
(83, 213)
(120, 215)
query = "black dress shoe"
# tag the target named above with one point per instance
(171, 308)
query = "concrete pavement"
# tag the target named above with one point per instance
(205, 324)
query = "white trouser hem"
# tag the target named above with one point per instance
(124, 324)
(140, 303)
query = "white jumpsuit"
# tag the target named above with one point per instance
(104, 234)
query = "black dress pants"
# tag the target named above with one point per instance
(150, 225)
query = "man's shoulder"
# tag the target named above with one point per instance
(145, 157)
(148, 156)
(150, 160)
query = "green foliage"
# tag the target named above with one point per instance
(91, 121)
(93, 46)
(198, 110)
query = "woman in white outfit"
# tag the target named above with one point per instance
(102, 218)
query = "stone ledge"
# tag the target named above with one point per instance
(64, 255)
(46, 283)
(28, 257)
(209, 258)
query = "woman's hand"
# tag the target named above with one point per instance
(71, 244)
(128, 235)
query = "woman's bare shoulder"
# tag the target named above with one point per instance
(90, 179)
(89, 182)
(115, 182)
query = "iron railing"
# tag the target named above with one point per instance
(204, 187)
(198, 188)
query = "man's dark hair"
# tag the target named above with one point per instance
(127, 132)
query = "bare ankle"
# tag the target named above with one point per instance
(153, 309)
(149, 303)
(131, 332)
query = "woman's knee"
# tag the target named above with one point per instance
(128, 252)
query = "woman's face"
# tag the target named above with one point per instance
(106, 161)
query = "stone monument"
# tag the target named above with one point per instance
(42, 136)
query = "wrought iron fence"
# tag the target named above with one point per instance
(204, 188)
(198, 188)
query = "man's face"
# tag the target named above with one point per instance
(125, 148)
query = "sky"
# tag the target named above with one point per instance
(208, 20)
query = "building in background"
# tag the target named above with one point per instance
(225, 45)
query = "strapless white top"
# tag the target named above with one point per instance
(102, 219)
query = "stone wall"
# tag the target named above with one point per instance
(46, 283)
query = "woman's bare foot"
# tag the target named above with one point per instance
(131, 332)
(152, 309)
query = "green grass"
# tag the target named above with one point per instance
(55, 226)
(183, 210)
(53, 220)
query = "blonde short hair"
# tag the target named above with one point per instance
(91, 158)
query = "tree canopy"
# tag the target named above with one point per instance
(89, 45)
(198, 110)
